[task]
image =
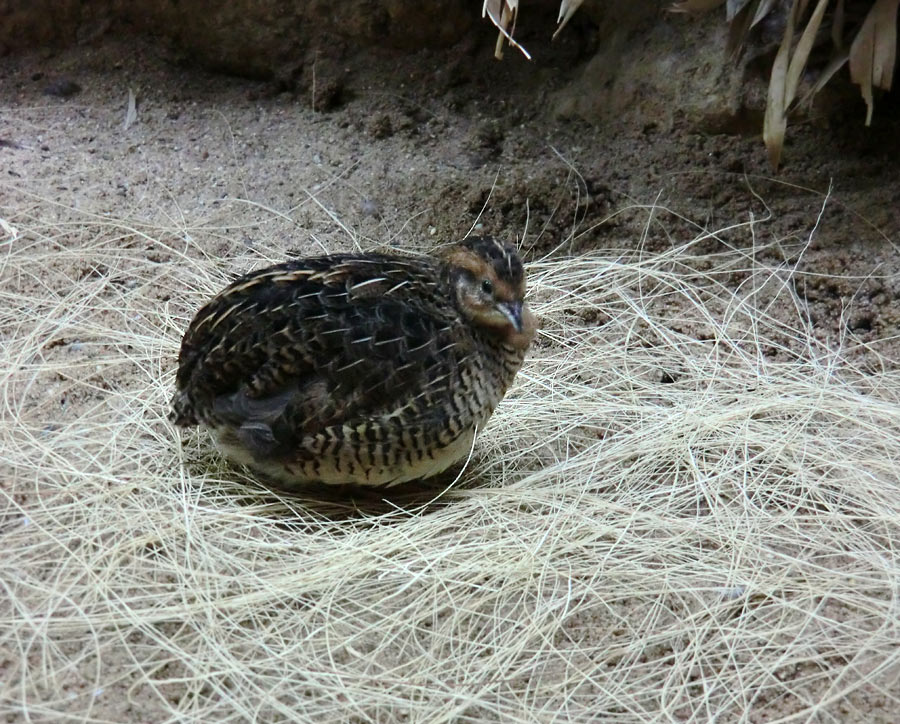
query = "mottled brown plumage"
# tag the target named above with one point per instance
(356, 368)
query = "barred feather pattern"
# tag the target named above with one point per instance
(342, 369)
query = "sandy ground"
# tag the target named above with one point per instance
(413, 149)
(406, 151)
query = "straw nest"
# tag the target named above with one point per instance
(686, 509)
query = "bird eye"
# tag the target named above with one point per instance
(487, 287)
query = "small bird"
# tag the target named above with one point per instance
(371, 369)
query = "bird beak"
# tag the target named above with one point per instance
(513, 312)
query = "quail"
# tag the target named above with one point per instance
(372, 369)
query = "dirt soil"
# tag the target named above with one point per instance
(407, 150)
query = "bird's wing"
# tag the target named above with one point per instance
(316, 342)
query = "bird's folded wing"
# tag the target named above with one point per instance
(314, 344)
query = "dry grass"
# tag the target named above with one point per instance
(687, 509)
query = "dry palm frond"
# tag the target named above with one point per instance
(502, 13)
(872, 52)
(786, 71)
(567, 9)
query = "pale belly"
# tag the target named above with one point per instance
(342, 469)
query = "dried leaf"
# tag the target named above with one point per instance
(786, 72)
(834, 65)
(801, 52)
(874, 51)
(837, 25)
(763, 9)
(502, 13)
(775, 120)
(130, 111)
(738, 27)
(567, 9)
(492, 9)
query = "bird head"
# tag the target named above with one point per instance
(489, 283)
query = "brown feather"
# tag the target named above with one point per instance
(354, 368)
